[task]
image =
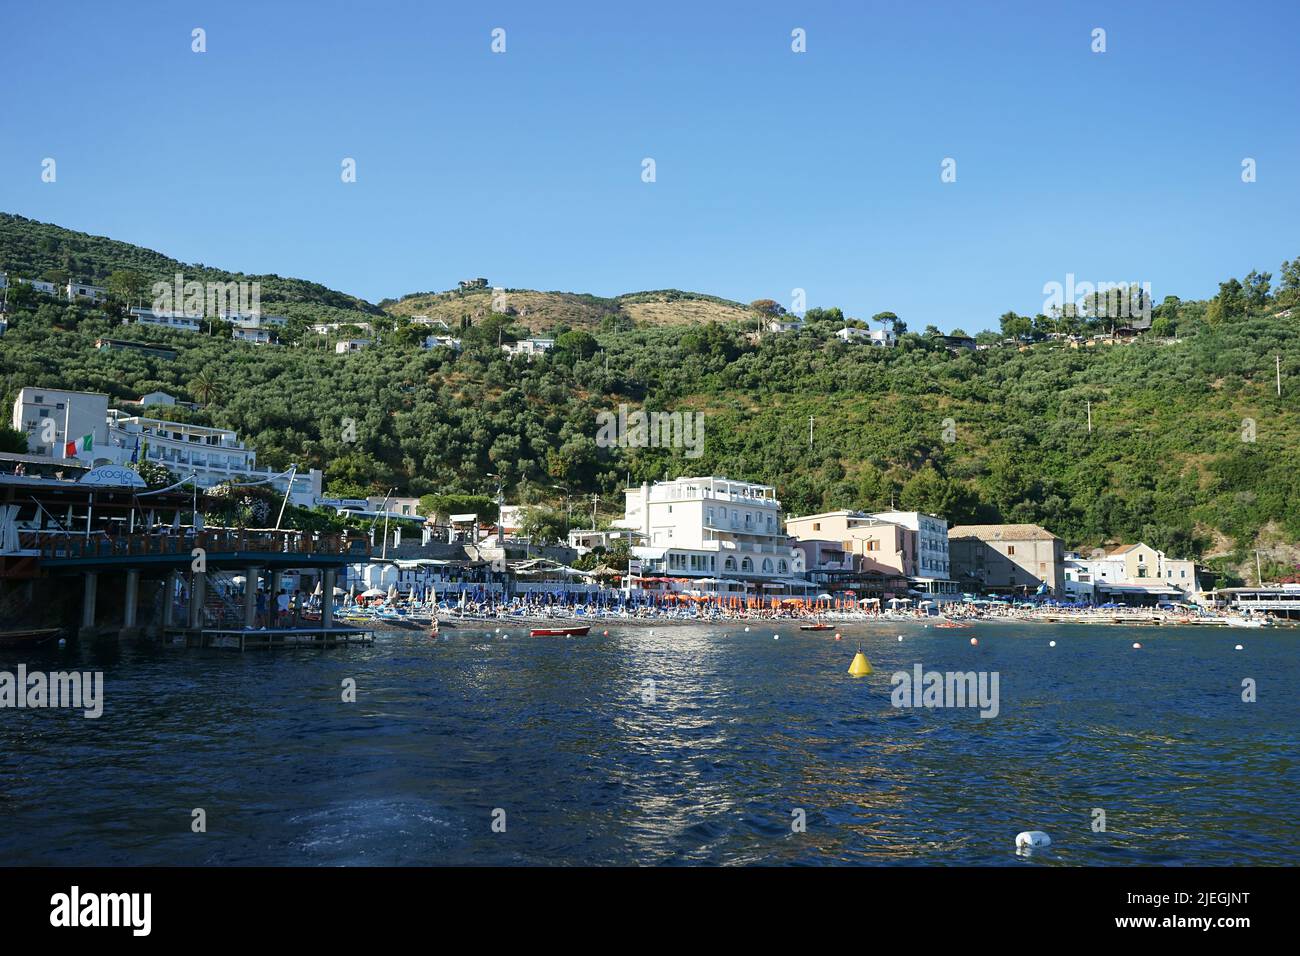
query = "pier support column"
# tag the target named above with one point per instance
(198, 595)
(169, 599)
(327, 598)
(88, 604)
(273, 597)
(130, 603)
(250, 597)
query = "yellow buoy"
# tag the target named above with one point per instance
(860, 667)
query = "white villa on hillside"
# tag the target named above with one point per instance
(528, 347)
(442, 341)
(81, 290)
(251, 334)
(177, 321)
(721, 535)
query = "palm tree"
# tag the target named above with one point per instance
(205, 387)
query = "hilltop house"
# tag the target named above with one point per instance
(177, 321)
(80, 290)
(528, 347)
(442, 341)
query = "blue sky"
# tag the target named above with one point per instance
(775, 170)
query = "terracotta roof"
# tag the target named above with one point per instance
(1123, 549)
(1000, 532)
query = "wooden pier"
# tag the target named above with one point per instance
(266, 638)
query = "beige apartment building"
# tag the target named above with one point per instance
(878, 545)
(1007, 557)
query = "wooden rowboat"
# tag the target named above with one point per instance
(559, 631)
(30, 638)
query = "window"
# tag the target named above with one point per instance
(746, 565)
(1011, 549)
(817, 525)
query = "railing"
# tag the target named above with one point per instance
(220, 541)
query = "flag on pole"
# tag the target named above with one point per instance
(74, 448)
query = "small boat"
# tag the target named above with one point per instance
(560, 631)
(1247, 622)
(29, 638)
(816, 627)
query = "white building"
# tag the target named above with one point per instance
(81, 290)
(852, 334)
(254, 320)
(585, 540)
(787, 324)
(343, 346)
(177, 321)
(442, 341)
(212, 455)
(884, 337)
(528, 347)
(439, 324)
(46, 288)
(1130, 573)
(726, 535)
(50, 415)
(257, 336)
(331, 328)
(930, 565)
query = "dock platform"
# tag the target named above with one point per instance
(246, 638)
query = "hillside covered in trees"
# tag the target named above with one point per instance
(1191, 449)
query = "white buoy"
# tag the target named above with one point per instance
(776, 637)
(1032, 839)
(1239, 647)
(1137, 646)
(974, 641)
(1051, 643)
(746, 630)
(900, 637)
(498, 630)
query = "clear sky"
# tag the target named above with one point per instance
(775, 170)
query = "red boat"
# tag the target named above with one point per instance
(559, 631)
(816, 627)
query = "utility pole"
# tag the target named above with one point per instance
(1259, 573)
(1090, 418)
(594, 499)
(1279, 375)
(810, 432)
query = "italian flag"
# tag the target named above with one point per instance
(84, 443)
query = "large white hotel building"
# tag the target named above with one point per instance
(727, 535)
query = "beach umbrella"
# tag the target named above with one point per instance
(392, 592)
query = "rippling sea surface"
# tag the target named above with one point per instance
(594, 764)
